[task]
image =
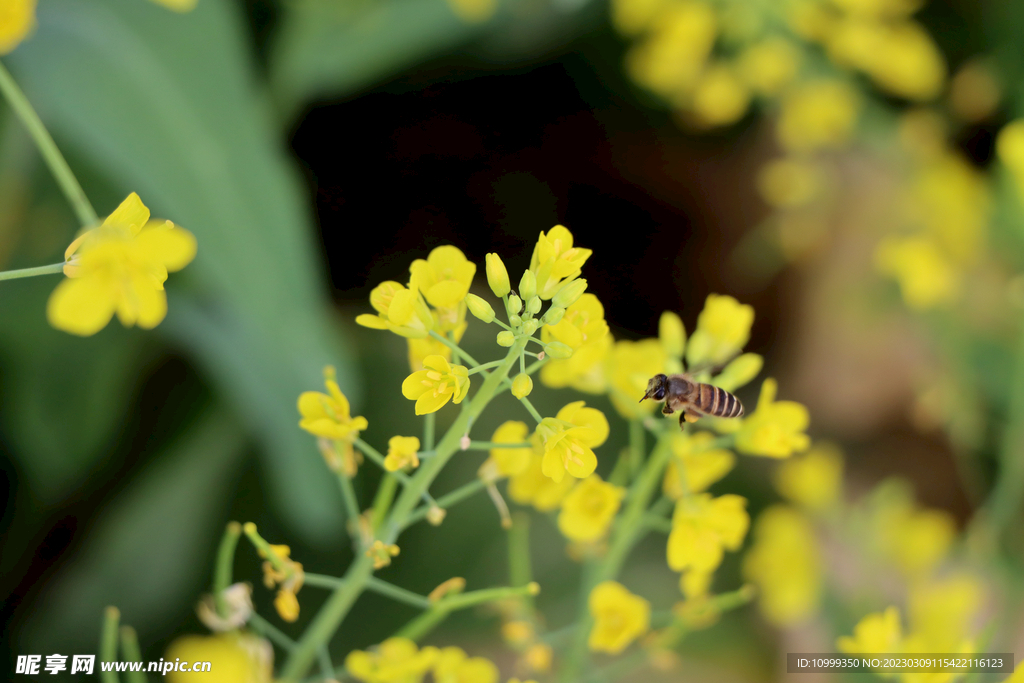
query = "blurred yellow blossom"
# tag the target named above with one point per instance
(288, 576)
(672, 335)
(178, 5)
(786, 566)
(776, 428)
(720, 97)
(882, 9)
(584, 330)
(474, 11)
(402, 452)
(509, 462)
(632, 16)
(401, 310)
(927, 279)
(702, 465)
(620, 617)
(874, 634)
(739, 372)
(908, 63)
(556, 261)
(941, 612)
(588, 510)
(671, 57)
(381, 552)
(974, 92)
(915, 539)
(789, 182)
(813, 481)
(420, 348)
(723, 328)
(239, 657)
(119, 267)
(950, 199)
(569, 438)
(769, 65)
(531, 487)
(538, 657)
(328, 415)
(435, 385)
(396, 660)
(817, 115)
(17, 19)
(453, 665)
(444, 277)
(629, 367)
(704, 527)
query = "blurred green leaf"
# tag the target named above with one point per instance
(150, 546)
(166, 105)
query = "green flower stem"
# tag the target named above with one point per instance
(330, 616)
(520, 569)
(223, 570)
(348, 497)
(537, 365)
(636, 447)
(271, 632)
(503, 324)
(428, 431)
(398, 593)
(678, 629)
(326, 665)
(374, 455)
(444, 502)
(488, 445)
(482, 368)
(529, 407)
(456, 349)
(48, 149)
(629, 529)
(130, 653)
(321, 580)
(261, 545)
(108, 643)
(382, 501)
(1005, 502)
(429, 620)
(32, 272)
(658, 523)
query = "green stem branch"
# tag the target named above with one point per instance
(32, 272)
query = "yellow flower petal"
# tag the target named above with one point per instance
(167, 243)
(82, 306)
(131, 212)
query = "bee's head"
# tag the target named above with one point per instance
(656, 388)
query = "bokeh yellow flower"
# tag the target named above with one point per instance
(178, 5)
(396, 660)
(671, 57)
(235, 656)
(588, 510)
(474, 11)
(927, 279)
(435, 385)
(556, 261)
(444, 277)
(509, 462)
(328, 415)
(119, 267)
(817, 115)
(723, 328)
(942, 611)
(776, 428)
(874, 634)
(532, 487)
(288, 579)
(453, 665)
(620, 617)
(703, 528)
(915, 539)
(629, 367)
(696, 464)
(17, 19)
(786, 566)
(569, 438)
(402, 452)
(584, 330)
(769, 65)
(720, 96)
(814, 481)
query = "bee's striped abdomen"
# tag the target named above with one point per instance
(712, 400)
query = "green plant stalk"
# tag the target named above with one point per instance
(223, 570)
(261, 545)
(636, 446)
(348, 497)
(1005, 502)
(271, 632)
(456, 349)
(529, 407)
(326, 665)
(382, 501)
(428, 431)
(330, 616)
(631, 527)
(520, 570)
(32, 272)
(131, 653)
(444, 502)
(48, 149)
(108, 643)
(374, 455)
(398, 594)
(429, 620)
(488, 445)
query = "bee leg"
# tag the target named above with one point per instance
(682, 419)
(667, 409)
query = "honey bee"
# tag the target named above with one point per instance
(693, 399)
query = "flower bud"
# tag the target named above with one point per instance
(506, 338)
(569, 293)
(480, 308)
(553, 315)
(529, 327)
(533, 305)
(558, 350)
(740, 371)
(515, 320)
(497, 276)
(515, 304)
(522, 385)
(528, 285)
(672, 334)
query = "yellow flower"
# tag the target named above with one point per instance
(17, 19)
(327, 415)
(785, 564)
(818, 115)
(568, 439)
(620, 617)
(497, 275)
(776, 428)
(474, 11)
(119, 267)
(632, 16)
(813, 481)
(907, 63)
(951, 199)
(538, 657)
(509, 462)
(289, 580)
(874, 634)
(454, 666)
(723, 328)
(702, 465)
(720, 97)
(402, 452)
(703, 528)
(444, 277)
(178, 5)
(401, 310)
(740, 372)
(882, 9)
(770, 65)
(435, 385)
(396, 660)
(236, 657)
(789, 182)
(927, 278)
(941, 612)
(531, 487)
(671, 58)
(630, 366)
(672, 335)
(584, 330)
(589, 509)
(555, 261)
(915, 539)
